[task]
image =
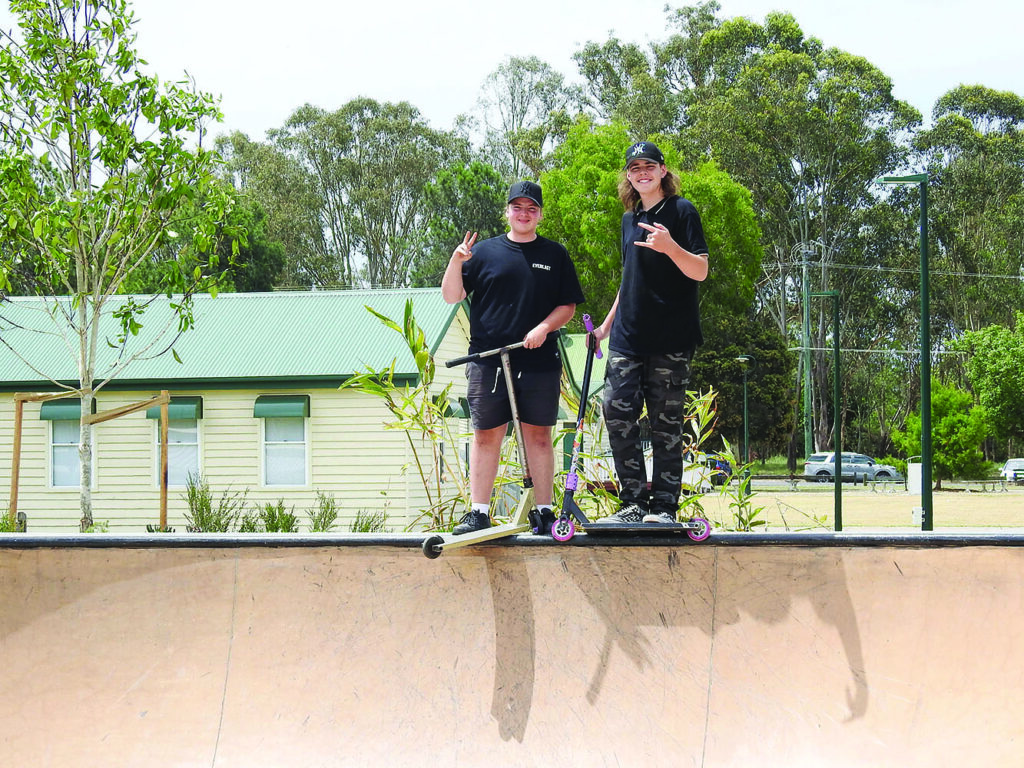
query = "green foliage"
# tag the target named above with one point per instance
(524, 107)
(204, 516)
(460, 199)
(583, 212)
(770, 393)
(97, 174)
(7, 523)
(276, 519)
(362, 170)
(745, 514)
(99, 526)
(958, 429)
(323, 517)
(421, 415)
(369, 522)
(995, 360)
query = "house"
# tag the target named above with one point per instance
(255, 406)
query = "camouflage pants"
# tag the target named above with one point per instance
(659, 381)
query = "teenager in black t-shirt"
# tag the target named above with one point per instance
(652, 329)
(522, 287)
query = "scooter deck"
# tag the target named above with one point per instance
(698, 530)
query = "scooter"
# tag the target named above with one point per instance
(522, 519)
(564, 528)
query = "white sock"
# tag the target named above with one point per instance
(543, 507)
(482, 508)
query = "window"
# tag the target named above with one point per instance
(183, 414)
(284, 438)
(65, 468)
(64, 416)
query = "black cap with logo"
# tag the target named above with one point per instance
(527, 189)
(644, 150)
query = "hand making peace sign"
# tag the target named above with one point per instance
(464, 252)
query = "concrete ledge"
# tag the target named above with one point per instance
(897, 538)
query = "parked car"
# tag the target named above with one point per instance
(856, 466)
(1013, 471)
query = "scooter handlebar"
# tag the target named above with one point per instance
(592, 341)
(477, 355)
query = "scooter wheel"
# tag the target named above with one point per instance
(701, 533)
(432, 546)
(563, 529)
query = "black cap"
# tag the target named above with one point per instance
(644, 150)
(527, 189)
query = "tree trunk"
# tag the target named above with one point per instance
(85, 461)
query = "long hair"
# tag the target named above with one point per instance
(630, 197)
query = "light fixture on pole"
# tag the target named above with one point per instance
(927, 521)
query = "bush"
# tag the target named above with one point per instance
(324, 516)
(203, 516)
(369, 522)
(278, 520)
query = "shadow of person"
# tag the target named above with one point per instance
(515, 643)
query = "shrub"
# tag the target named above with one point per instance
(323, 517)
(203, 516)
(278, 520)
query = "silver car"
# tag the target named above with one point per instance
(856, 466)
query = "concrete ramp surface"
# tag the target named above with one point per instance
(511, 655)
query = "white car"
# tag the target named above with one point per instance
(856, 466)
(1013, 470)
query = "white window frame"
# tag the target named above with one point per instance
(198, 452)
(265, 444)
(78, 466)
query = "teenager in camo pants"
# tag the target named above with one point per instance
(653, 329)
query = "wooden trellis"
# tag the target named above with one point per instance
(20, 398)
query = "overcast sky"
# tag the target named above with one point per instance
(264, 59)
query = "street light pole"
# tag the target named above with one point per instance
(927, 521)
(746, 361)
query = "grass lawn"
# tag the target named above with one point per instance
(811, 508)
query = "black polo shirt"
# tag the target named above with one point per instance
(658, 309)
(512, 287)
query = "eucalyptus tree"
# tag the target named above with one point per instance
(974, 153)
(368, 164)
(460, 199)
(315, 249)
(808, 130)
(100, 166)
(525, 107)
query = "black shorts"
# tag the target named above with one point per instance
(537, 395)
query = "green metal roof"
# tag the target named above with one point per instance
(271, 338)
(574, 357)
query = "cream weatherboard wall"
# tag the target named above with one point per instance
(351, 455)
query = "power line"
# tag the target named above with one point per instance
(906, 271)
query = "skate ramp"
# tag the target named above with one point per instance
(522, 655)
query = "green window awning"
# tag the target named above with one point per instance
(280, 406)
(65, 409)
(179, 409)
(454, 408)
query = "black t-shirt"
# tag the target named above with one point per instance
(512, 287)
(658, 305)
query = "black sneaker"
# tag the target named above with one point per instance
(472, 521)
(628, 514)
(542, 520)
(660, 518)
